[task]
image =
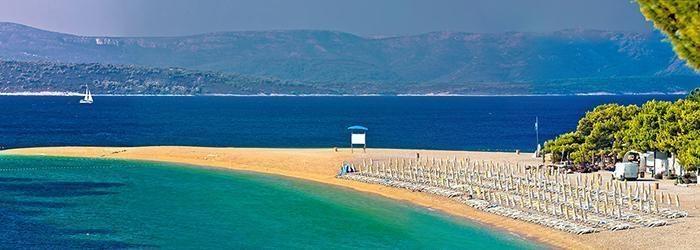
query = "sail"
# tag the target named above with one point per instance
(88, 96)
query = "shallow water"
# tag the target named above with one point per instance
(78, 203)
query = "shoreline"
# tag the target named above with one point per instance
(59, 93)
(320, 165)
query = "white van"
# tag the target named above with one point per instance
(626, 171)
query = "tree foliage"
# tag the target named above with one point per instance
(564, 145)
(694, 95)
(680, 21)
(611, 130)
(599, 132)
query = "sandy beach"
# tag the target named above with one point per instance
(321, 165)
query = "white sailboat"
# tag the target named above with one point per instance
(87, 99)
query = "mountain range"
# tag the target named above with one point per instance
(329, 62)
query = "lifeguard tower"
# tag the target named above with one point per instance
(357, 137)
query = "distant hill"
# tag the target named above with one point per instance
(569, 61)
(119, 79)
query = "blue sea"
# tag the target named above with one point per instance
(462, 123)
(76, 203)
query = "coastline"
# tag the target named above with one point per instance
(58, 93)
(321, 165)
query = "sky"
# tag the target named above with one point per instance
(362, 17)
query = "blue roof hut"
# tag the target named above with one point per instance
(358, 137)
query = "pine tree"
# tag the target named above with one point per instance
(680, 21)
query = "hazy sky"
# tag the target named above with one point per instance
(363, 17)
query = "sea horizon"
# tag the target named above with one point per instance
(242, 124)
(58, 93)
(297, 121)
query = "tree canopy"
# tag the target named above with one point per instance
(673, 127)
(680, 21)
(612, 130)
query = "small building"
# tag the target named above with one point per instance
(655, 162)
(358, 136)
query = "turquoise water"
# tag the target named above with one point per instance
(50, 202)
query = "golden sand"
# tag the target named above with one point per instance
(321, 165)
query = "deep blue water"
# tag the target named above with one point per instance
(69, 203)
(468, 123)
